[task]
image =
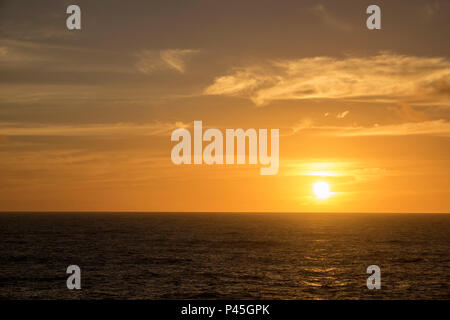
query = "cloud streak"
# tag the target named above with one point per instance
(343, 114)
(153, 129)
(439, 128)
(329, 19)
(384, 77)
(149, 61)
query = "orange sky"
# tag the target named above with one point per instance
(86, 116)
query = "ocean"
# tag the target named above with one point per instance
(224, 255)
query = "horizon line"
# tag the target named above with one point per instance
(214, 212)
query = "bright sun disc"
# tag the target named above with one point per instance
(321, 190)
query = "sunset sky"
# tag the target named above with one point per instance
(86, 115)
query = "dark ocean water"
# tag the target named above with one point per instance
(229, 256)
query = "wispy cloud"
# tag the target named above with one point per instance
(432, 127)
(149, 61)
(37, 57)
(329, 19)
(152, 129)
(343, 114)
(384, 77)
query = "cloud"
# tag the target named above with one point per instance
(433, 127)
(329, 19)
(439, 128)
(439, 86)
(337, 170)
(149, 61)
(16, 56)
(384, 77)
(153, 129)
(407, 113)
(343, 114)
(302, 125)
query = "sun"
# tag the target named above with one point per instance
(322, 190)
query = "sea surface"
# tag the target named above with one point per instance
(224, 255)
